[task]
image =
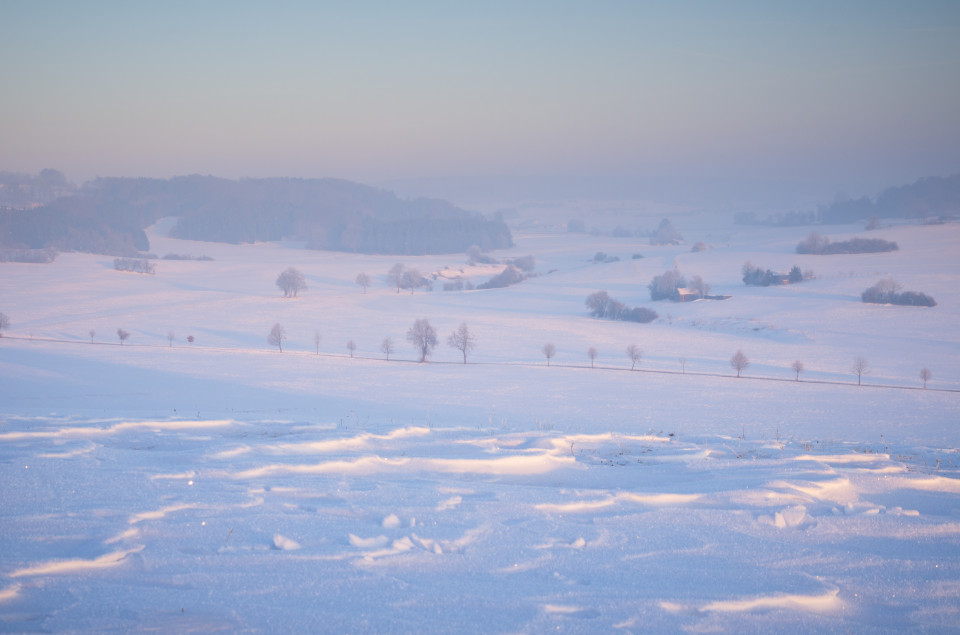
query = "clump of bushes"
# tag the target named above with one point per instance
(510, 275)
(665, 286)
(186, 257)
(601, 257)
(136, 265)
(672, 285)
(755, 276)
(821, 245)
(887, 291)
(475, 256)
(524, 263)
(666, 234)
(601, 305)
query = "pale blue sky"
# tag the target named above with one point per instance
(675, 97)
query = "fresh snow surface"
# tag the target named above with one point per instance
(226, 486)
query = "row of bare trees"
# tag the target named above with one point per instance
(739, 362)
(422, 336)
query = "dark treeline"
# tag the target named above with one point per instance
(109, 216)
(25, 191)
(926, 198)
(823, 246)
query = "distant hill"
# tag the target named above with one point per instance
(926, 198)
(109, 215)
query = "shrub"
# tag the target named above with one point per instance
(136, 265)
(524, 263)
(666, 234)
(510, 275)
(601, 305)
(602, 257)
(664, 286)
(640, 314)
(821, 245)
(185, 257)
(755, 276)
(914, 298)
(887, 291)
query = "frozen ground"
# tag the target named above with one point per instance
(223, 485)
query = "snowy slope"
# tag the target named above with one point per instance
(224, 485)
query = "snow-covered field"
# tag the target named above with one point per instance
(224, 485)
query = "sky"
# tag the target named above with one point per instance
(784, 103)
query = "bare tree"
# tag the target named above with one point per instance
(592, 354)
(316, 341)
(474, 255)
(4, 323)
(462, 340)
(363, 280)
(92, 334)
(634, 352)
(797, 367)
(739, 362)
(291, 282)
(277, 335)
(351, 346)
(549, 351)
(683, 365)
(123, 335)
(396, 275)
(860, 368)
(925, 376)
(697, 285)
(412, 279)
(386, 346)
(423, 338)
(170, 338)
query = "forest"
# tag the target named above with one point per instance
(109, 215)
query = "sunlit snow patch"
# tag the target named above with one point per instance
(284, 544)
(627, 497)
(367, 543)
(76, 566)
(91, 431)
(514, 465)
(825, 603)
(160, 513)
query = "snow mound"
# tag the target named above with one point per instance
(284, 544)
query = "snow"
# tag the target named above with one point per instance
(224, 485)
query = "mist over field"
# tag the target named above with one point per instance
(479, 318)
